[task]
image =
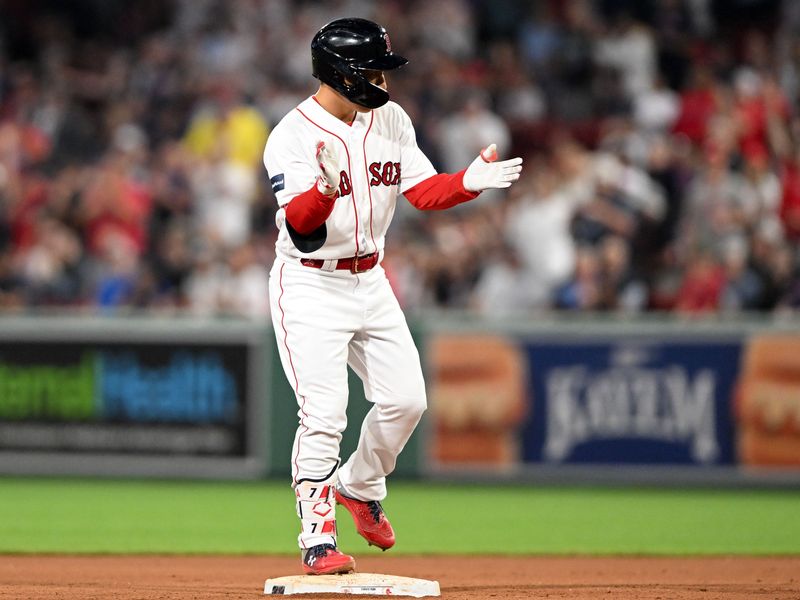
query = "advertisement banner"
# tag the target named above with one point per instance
(768, 402)
(479, 399)
(631, 401)
(124, 398)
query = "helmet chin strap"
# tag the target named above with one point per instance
(356, 89)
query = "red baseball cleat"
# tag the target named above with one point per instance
(325, 559)
(370, 520)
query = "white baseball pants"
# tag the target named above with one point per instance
(324, 321)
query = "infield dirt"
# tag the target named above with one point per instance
(32, 577)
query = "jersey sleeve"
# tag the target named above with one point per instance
(290, 167)
(440, 191)
(414, 165)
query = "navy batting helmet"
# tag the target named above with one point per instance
(343, 49)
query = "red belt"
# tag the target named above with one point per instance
(354, 264)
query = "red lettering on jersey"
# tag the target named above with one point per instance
(345, 189)
(388, 173)
(375, 171)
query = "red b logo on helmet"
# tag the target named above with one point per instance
(388, 43)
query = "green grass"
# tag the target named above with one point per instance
(102, 516)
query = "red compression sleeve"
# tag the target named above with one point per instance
(439, 191)
(307, 211)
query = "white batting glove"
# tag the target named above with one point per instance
(328, 161)
(485, 172)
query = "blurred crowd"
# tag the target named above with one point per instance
(661, 141)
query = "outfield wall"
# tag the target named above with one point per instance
(574, 400)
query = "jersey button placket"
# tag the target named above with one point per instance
(356, 139)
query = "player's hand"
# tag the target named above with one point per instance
(486, 172)
(328, 162)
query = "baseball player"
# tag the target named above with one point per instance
(337, 163)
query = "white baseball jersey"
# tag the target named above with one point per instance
(380, 159)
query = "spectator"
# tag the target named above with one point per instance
(203, 287)
(743, 288)
(469, 130)
(244, 290)
(702, 285)
(621, 287)
(49, 269)
(501, 287)
(583, 292)
(538, 231)
(628, 47)
(118, 269)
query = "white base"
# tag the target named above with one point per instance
(352, 583)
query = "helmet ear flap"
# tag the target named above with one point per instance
(332, 71)
(368, 94)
